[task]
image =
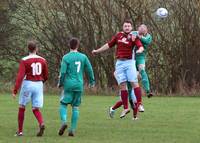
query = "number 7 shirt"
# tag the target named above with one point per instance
(73, 66)
(33, 68)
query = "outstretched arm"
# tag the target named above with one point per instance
(103, 48)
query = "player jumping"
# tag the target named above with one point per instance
(124, 68)
(146, 39)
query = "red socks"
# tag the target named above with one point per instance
(20, 119)
(124, 97)
(135, 110)
(38, 116)
(138, 94)
(117, 105)
(21, 112)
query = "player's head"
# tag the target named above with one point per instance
(127, 26)
(74, 43)
(32, 46)
(142, 29)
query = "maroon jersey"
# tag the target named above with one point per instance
(32, 67)
(124, 45)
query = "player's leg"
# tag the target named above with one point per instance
(144, 76)
(132, 78)
(75, 111)
(116, 105)
(21, 113)
(138, 94)
(139, 61)
(124, 97)
(131, 95)
(66, 98)
(37, 103)
(24, 99)
(120, 75)
(63, 118)
(74, 120)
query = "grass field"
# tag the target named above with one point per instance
(165, 120)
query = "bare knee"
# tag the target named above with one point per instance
(123, 86)
(141, 67)
(22, 106)
(35, 108)
(135, 84)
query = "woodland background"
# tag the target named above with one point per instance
(173, 58)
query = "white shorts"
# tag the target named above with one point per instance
(125, 70)
(31, 91)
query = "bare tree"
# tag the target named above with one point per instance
(170, 58)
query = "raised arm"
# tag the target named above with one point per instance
(105, 47)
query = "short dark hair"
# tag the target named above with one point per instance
(32, 45)
(128, 21)
(73, 43)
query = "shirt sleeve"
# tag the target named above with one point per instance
(138, 43)
(45, 71)
(20, 77)
(113, 41)
(63, 70)
(89, 71)
(146, 39)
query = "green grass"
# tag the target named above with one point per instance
(165, 120)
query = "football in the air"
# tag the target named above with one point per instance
(162, 12)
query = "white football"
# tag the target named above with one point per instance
(162, 12)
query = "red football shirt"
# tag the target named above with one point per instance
(32, 67)
(124, 45)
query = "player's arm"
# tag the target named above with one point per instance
(63, 70)
(139, 45)
(146, 39)
(45, 71)
(105, 47)
(89, 72)
(20, 77)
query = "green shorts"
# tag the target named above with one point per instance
(71, 97)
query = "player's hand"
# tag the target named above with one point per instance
(14, 95)
(59, 85)
(133, 37)
(139, 36)
(139, 51)
(93, 88)
(94, 52)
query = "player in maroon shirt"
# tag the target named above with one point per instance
(125, 70)
(32, 73)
